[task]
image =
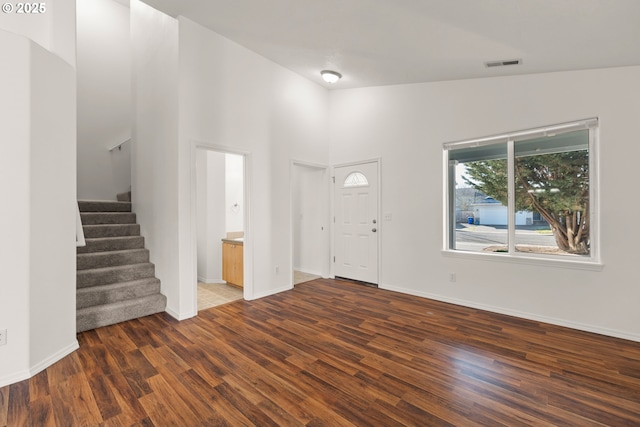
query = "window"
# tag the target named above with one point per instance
(356, 179)
(528, 194)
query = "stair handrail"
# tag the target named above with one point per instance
(79, 231)
(119, 146)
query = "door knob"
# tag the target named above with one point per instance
(374, 230)
(374, 221)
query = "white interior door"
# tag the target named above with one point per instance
(356, 222)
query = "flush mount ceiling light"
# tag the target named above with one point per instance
(330, 76)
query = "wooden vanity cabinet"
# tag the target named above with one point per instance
(233, 263)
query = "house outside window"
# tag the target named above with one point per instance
(527, 194)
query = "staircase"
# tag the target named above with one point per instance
(115, 280)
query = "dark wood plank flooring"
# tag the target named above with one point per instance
(334, 353)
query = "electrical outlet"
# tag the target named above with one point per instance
(3, 336)
(452, 277)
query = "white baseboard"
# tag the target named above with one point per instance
(209, 280)
(181, 316)
(15, 378)
(55, 357)
(271, 292)
(39, 367)
(306, 271)
(523, 315)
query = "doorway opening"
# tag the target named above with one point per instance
(310, 202)
(220, 224)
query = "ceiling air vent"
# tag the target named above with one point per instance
(491, 64)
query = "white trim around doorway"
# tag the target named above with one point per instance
(326, 271)
(248, 290)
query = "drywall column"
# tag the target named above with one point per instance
(38, 176)
(155, 142)
(52, 194)
(14, 216)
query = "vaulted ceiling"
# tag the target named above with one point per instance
(383, 42)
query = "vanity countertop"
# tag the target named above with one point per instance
(236, 241)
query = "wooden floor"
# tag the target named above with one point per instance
(334, 353)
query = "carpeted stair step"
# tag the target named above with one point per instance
(124, 197)
(115, 292)
(103, 244)
(108, 314)
(106, 275)
(111, 258)
(96, 218)
(115, 281)
(103, 206)
(111, 230)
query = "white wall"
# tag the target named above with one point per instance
(310, 217)
(55, 29)
(201, 206)
(37, 225)
(234, 192)
(210, 167)
(233, 99)
(406, 126)
(104, 99)
(63, 29)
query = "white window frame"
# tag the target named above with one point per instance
(592, 262)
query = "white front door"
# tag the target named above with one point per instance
(356, 222)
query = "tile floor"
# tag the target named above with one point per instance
(300, 277)
(213, 294)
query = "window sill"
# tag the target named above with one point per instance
(526, 259)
